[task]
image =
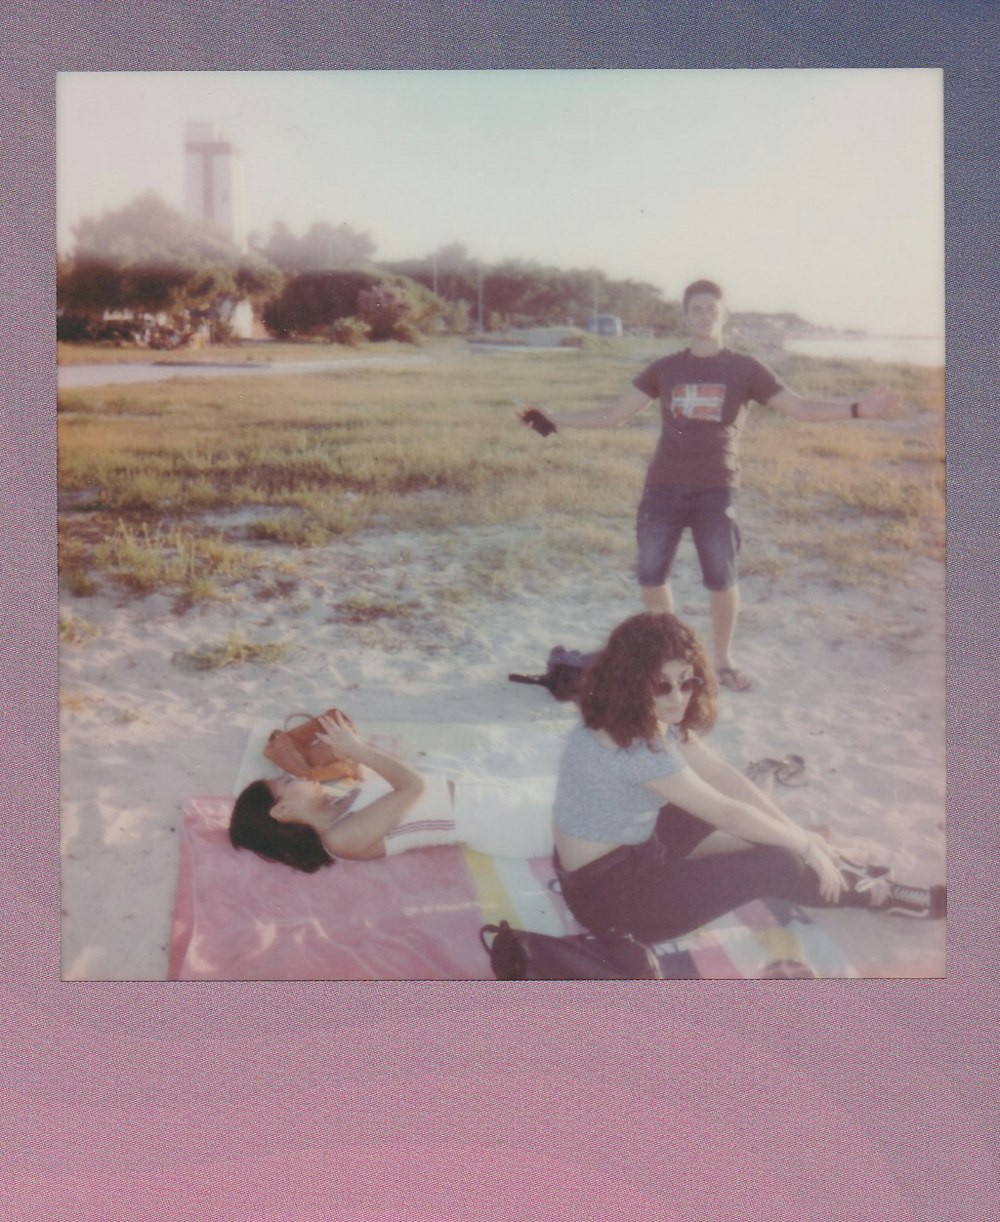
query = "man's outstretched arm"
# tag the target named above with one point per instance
(612, 416)
(871, 404)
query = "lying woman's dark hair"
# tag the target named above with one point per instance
(617, 688)
(252, 826)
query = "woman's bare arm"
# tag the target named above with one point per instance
(689, 791)
(714, 770)
(360, 834)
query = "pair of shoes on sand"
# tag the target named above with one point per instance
(892, 898)
(788, 771)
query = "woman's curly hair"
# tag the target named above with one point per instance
(617, 688)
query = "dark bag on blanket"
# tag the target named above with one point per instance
(563, 674)
(517, 954)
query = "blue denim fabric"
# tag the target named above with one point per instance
(664, 514)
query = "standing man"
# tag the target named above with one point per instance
(705, 393)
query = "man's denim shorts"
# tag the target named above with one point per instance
(665, 513)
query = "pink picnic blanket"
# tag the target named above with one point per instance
(417, 917)
(237, 917)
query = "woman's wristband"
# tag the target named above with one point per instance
(855, 411)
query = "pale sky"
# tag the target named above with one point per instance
(817, 191)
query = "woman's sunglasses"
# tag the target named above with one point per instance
(687, 686)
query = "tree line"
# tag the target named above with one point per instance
(146, 273)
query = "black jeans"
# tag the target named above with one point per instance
(656, 891)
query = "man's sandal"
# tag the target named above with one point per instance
(734, 679)
(789, 771)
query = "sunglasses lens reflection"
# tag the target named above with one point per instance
(665, 686)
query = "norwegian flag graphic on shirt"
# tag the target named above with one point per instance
(698, 400)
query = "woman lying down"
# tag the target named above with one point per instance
(394, 809)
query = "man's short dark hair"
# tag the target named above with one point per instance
(702, 286)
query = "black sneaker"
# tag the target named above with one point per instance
(860, 879)
(870, 888)
(930, 903)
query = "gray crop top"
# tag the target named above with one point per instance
(601, 793)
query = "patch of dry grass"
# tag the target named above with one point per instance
(436, 448)
(145, 558)
(235, 650)
(863, 495)
(74, 702)
(74, 630)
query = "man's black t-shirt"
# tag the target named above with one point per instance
(704, 401)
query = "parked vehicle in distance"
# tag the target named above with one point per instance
(605, 324)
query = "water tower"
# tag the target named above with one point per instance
(213, 180)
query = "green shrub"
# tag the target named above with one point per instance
(399, 308)
(352, 332)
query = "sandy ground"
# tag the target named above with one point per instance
(853, 682)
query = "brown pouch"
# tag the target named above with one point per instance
(299, 752)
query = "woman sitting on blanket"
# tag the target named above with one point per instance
(629, 863)
(302, 824)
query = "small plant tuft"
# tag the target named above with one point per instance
(364, 609)
(75, 631)
(235, 650)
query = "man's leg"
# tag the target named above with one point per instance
(660, 522)
(658, 598)
(725, 612)
(716, 532)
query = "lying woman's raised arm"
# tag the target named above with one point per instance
(360, 834)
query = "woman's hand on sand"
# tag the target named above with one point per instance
(338, 734)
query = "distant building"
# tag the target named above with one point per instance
(213, 195)
(605, 324)
(213, 181)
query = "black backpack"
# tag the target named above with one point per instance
(517, 954)
(563, 673)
